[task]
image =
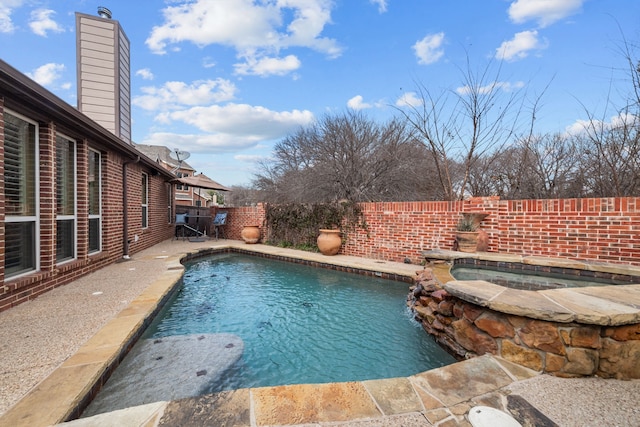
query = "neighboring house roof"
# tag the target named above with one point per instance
(160, 154)
(29, 94)
(201, 181)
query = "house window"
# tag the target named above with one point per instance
(169, 188)
(182, 187)
(65, 199)
(21, 195)
(95, 202)
(145, 200)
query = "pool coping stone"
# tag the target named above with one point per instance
(613, 305)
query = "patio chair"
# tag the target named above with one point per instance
(219, 222)
(181, 224)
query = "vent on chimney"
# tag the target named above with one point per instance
(103, 12)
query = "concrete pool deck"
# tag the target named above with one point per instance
(54, 347)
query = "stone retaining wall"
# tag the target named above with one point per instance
(561, 349)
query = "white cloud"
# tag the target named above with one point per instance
(356, 103)
(177, 94)
(47, 74)
(545, 12)
(202, 143)
(207, 62)
(504, 86)
(578, 127)
(268, 66)
(229, 128)
(589, 126)
(145, 73)
(409, 99)
(429, 49)
(520, 46)
(6, 9)
(41, 22)
(254, 29)
(382, 5)
(250, 158)
(243, 119)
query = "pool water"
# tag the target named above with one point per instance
(533, 281)
(300, 324)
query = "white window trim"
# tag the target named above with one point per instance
(182, 188)
(145, 203)
(34, 218)
(97, 216)
(74, 217)
(170, 198)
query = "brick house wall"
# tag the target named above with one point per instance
(22, 96)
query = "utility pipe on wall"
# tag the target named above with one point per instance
(125, 205)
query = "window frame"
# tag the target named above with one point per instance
(169, 188)
(144, 196)
(180, 186)
(35, 218)
(73, 218)
(98, 216)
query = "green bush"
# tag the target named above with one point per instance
(297, 224)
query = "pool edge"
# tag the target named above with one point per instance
(65, 393)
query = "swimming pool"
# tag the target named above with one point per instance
(297, 324)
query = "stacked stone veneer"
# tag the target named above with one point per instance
(563, 349)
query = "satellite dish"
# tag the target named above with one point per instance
(179, 155)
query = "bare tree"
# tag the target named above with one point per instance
(535, 167)
(462, 126)
(347, 156)
(611, 153)
(241, 196)
(611, 141)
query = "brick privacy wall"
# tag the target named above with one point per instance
(603, 229)
(50, 275)
(238, 217)
(400, 230)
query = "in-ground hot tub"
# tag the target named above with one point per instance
(565, 331)
(532, 277)
(531, 272)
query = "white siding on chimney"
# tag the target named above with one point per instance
(104, 91)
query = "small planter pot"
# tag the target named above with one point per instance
(467, 241)
(329, 241)
(250, 233)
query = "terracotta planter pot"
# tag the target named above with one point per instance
(476, 217)
(329, 241)
(467, 241)
(250, 233)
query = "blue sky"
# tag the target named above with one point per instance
(226, 79)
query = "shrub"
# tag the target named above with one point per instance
(297, 224)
